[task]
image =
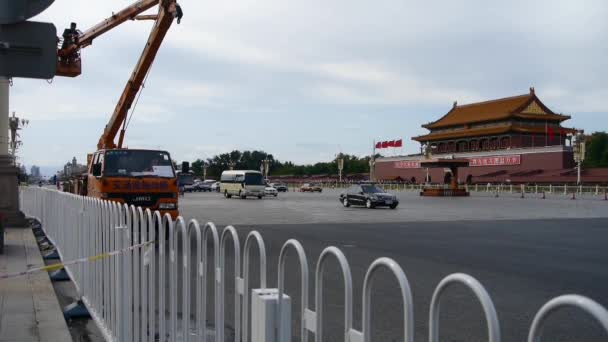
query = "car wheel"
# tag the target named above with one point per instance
(226, 194)
(393, 206)
(369, 204)
(260, 197)
(345, 202)
(275, 195)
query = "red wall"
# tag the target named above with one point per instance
(549, 162)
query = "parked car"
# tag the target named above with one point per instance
(310, 187)
(204, 185)
(280, 187)
(369, 195)
(215, 187)
(270, 191)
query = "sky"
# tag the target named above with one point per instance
(307, 79)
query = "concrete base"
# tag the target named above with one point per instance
(9, 201)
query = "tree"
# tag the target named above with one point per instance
(252, 160)
(596, 150)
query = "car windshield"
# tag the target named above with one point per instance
(136, 163)
(254, 179)
(371, 189)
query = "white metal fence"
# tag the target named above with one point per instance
(122, 295)
(556, 189)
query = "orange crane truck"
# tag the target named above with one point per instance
(140, 177)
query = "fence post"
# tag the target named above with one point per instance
(252, 236)
(406, 297)
(167, 227)
(304, 287)
(238, 282)
(210, 228)
(348, 293)
(589, 306)
(481, 294)
(180, 227)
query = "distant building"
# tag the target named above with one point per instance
(35, 172)
(515, 139)
(72, 169)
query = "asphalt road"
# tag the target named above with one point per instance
(524, 251)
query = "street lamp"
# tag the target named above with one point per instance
(578, 150)
(372, 166)
(205, 167)
(340, 161)
(15, 124)
(266, 167)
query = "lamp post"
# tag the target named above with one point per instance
(205, 167)
(15, 124)
(428, 154)
(266, 167)
(578, 150)
(340, 161)
(372, 166)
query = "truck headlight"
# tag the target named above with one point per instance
(166, 206)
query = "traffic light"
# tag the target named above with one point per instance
(27, 48)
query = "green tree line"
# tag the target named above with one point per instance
(596, 150)
(252, 160)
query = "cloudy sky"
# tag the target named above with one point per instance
(306, 79)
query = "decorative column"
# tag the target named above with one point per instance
(9, 200)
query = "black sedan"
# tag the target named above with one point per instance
(368, 195)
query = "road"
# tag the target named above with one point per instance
(524, 251)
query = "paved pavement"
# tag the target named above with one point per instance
(29, 310)
(524, 251)
(296, 208)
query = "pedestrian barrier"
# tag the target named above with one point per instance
(127, 295)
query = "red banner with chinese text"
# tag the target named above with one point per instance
(514, 159)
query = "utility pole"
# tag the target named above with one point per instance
(205, 167)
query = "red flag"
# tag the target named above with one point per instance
(550, 133)
(384, 144)
(391, 143)
(399, 143)
(378, 145)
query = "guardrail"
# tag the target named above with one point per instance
(123, 298)
(559, 189)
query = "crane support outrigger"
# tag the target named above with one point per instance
(141, 177)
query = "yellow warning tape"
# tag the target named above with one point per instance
(57, 266)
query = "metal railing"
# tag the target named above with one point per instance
(555, 189)
(123, 298)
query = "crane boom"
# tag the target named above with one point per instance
(86, 38)
(69, 61)
(161, 26)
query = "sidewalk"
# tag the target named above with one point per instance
(29, 310)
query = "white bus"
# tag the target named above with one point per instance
(242, 183)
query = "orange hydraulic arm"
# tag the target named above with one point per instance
(69, 59)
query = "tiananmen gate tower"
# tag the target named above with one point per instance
(515, 139)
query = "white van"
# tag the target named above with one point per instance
(242, 183)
